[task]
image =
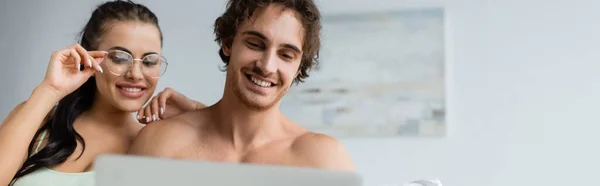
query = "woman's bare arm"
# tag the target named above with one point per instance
(19, 127)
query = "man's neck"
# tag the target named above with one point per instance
(248, 128)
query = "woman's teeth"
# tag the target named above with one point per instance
(131, 89)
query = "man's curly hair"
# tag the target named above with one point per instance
(238, 11)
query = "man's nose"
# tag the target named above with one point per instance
(268, 63)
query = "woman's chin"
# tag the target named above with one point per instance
(130, 105)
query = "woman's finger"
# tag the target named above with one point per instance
(84, 55)
(141, 117)
(97, 57)
(162, 100)
(148, 113)
(76, 57)
(97, 53)
(154, 108)
(88, 72)
(139, 114)
(142, 120)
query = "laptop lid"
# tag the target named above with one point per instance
(124, 170)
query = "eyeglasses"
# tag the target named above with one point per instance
(120, 62)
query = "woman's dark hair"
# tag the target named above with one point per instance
(239, 11)
(62, 138)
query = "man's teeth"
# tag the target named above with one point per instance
(260, 83)
(131, 89)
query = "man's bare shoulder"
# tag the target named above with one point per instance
(323, 151)
(165, 137)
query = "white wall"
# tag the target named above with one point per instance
(522, 96)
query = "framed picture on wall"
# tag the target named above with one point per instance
(380, 74)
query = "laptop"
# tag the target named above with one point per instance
(126, 170)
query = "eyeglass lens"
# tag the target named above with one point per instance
(120, 62)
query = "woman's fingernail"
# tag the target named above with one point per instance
(162, 110)
(100, 68)
(90, 61)
(153, 117)
(147, 120)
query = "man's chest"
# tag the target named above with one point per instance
(272, 155)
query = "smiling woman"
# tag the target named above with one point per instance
(98, 84)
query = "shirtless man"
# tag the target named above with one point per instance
(264, 54)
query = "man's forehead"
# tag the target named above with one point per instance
(275, 21)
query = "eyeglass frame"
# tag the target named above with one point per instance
(133, 61)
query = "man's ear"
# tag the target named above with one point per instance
(226, 50)
(226, 47)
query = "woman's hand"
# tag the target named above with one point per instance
(64, 74)
(166, 104)
(19, 127)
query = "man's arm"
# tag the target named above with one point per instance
(325, 152)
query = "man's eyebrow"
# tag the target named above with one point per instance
(294, 48)
(255, 33)
(263, 37)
